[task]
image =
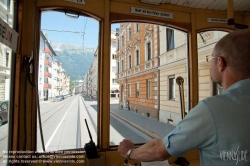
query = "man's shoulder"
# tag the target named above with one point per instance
(215, 98)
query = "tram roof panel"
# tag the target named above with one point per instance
(239, 5)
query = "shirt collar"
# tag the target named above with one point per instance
(241, 83)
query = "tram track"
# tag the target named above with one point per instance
(64, 104)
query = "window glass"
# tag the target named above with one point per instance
(206, 41)
(171, 88)
(148, 46)
(7, 56)
(129, 34)
(137, 57)
(137, 88)
(145, 83)
(68, 80)
(170, 39)
(149, 88)
(129, 62)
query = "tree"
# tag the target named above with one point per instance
(71, 87)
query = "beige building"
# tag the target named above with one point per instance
(174, 63)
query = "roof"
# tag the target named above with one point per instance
(239, 5)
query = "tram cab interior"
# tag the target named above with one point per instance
(142, 47)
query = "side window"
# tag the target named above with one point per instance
(206, 41)
(148, 88)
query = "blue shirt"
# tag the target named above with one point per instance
(218, 126)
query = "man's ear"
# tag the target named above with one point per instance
(221, 64)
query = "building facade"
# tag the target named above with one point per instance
(149, 60)
(114, 86)
(52, 78)
(137, 71)
(174, 63)
(46, 58)
(91, 78)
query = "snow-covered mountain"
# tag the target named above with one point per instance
(75, 59)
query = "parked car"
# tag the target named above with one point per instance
(65, 96)
(57, 98)
(4, 106)
(62, 97)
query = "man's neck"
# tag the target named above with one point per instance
(231, 79)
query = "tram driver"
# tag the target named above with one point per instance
(218, 125)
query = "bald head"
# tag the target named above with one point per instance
(235, 48)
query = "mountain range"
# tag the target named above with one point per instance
(75, 59)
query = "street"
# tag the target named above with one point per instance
(64, 127)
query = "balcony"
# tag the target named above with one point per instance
(47, 86)
(47, 50)
(47, 74)
(137, 69)
(46, 62)
(148, 65)
(129, 72)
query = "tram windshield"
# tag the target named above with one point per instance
(67, 80)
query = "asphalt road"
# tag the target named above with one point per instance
(64, 126)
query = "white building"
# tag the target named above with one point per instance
(93, 76)
(90, 85)
(114, 86)
(45, 80)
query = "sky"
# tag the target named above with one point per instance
(54, 23)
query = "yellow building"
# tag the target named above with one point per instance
(137, 62)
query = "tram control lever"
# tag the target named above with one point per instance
(180, 81)
(90, 148)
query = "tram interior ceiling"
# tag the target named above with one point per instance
(133, 69)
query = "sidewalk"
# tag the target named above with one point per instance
(150, 126)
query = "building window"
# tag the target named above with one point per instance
(136, 27)
(137, 57)
(113, 56)
(129, 61)
(117, 45)
(170, 39)
(118, 67)
(122, 65)
(137, 89)
(129, 90)
(113, 69)
(148, 51)
(149, 88)
(171, 88)
(122, 41)
(113, 44)
(113, 81)
(129, 34)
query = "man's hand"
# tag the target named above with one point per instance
(124, 147)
